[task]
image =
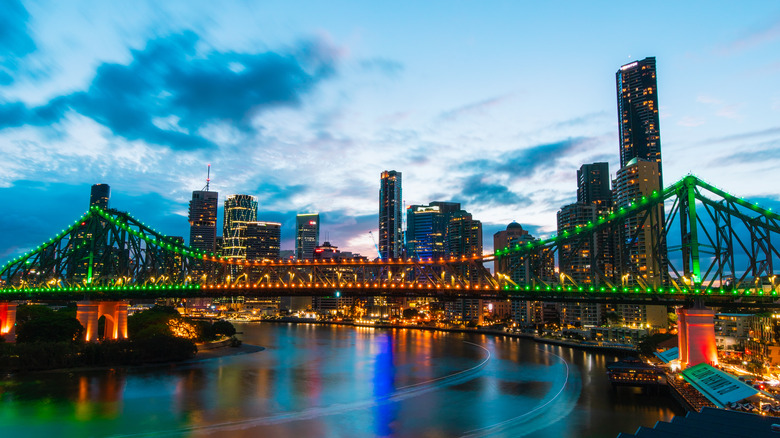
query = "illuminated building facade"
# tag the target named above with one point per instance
(640, 249)
(203, 221)
(239, 211)
(307, 235)
(391, 238)
(464, 238)
(263, 240)
(426, 229)
(99, 195)
(593, 185)
(512, 265)
(638, 121)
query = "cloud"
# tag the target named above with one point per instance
(763, 35)
(386, 66)
(524, 163)
(472, 108)
(15, 42)
(480, 190)
(743, 136)
(762, 154)
(170, 80)
(691, 122)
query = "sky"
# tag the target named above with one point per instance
(492, 104)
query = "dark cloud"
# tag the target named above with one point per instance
(477, 190)
(170, 81)
(524, 163)
(15, 41)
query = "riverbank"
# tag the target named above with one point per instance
(610, 349)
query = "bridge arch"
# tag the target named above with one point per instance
(89, 312)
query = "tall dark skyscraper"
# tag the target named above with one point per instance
(307, 235)
(203, 220)
(263, 240)
(426, 229)
(239, 210)
(593, 185)
(637, 102)
(391, 238)
(100, 195)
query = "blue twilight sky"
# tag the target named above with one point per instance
(494, 104)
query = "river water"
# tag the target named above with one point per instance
(332, 381)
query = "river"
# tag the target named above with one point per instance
(336, 381)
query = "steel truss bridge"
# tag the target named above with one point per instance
(699, 243)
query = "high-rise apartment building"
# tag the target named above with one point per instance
(239, 211)
(464, 238)
(512, 265)
(307, 235)
(426, 229)
(638, 121)
(640, 249)
(203, 221)
(391, 238)
(99, 195)
(593, 185)
(263, 240)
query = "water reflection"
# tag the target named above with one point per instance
(340, 381)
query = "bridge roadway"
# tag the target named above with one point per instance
(557, 293)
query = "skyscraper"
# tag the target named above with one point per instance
(100, 195)
(203, 220)
(391, 238)
(593, 185)
(307, 235)
(426, 229)
(464, 238)
(641, 249)
(637, 104)
(263, 240)
(239, 211)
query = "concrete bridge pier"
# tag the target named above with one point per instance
(89, 312)
(8, 321)
(696, 336)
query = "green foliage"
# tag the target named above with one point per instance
(28, 312)
(150, 321)
(223, 327)
(205, 331)
(51, 327)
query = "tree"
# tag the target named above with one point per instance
(55, 327)
(223, 327)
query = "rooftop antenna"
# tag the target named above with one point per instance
(208, 177)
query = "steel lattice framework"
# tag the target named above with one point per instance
(108, 253)
(702, 241)
(706, 242)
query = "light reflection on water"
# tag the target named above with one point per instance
(340, 381)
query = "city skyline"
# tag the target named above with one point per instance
(352, 96)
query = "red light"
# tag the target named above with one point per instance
(312, 222)
(83, 223)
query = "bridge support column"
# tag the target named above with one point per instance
(696, 336)
(8, 321)
(88, 314)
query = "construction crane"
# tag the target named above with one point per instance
(371, 235)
